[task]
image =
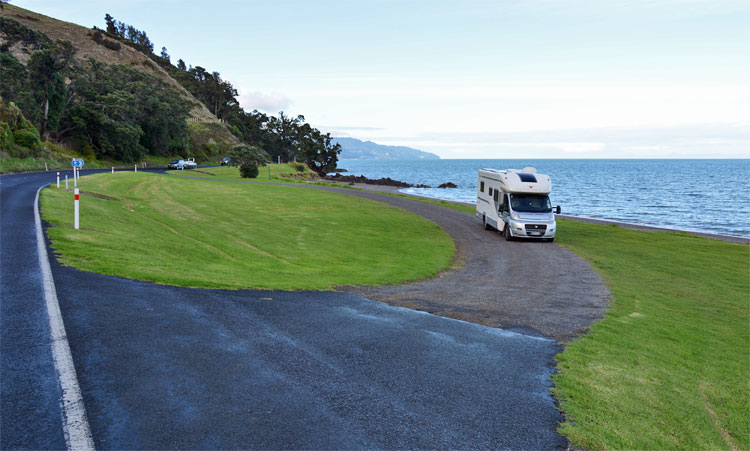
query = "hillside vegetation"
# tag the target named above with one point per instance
(104, 93)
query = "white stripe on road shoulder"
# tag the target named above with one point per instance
(75, 424)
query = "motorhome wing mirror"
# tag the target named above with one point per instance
(557, 210)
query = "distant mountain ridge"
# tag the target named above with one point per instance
(354, 149)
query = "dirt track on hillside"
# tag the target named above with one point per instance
(526, 286)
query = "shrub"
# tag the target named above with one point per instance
(27, 138)
(299, 167)
(249, 171)
(112, 45)
(6, 136)
(235, 131)
(97, 37)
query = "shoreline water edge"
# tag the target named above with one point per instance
(397, 188)
(694, 196)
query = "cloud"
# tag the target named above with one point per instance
(269, 103)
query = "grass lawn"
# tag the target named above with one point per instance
(284, 173)
(668, 367)
(222, 235)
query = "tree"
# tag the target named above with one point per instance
(111, 26)
(319, 152)
(248, 158)
(181, 65)
(164, 53)
(286, 131)
(48, 86)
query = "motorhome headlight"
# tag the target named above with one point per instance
(515, 216)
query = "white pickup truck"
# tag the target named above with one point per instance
(191, 164)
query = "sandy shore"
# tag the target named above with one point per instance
(625, 225)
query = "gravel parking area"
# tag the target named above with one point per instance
(526, 286)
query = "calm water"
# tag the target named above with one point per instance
(699, 195)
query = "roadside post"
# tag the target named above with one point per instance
(135, 168)
(77, 163)
(113, 169)
(66, 182)
(58, 179)
(75, 210)
(45, 167)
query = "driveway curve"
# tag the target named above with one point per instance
(525, 286)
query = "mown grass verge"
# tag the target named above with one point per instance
(283, 173)
(188, 232)
(668, 366)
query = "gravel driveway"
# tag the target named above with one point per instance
(525, 286)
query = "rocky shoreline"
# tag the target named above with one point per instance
(385, 181)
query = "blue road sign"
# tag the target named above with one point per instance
(77, 163)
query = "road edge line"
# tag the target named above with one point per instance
(75, 423)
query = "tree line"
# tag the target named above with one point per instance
(283, 137)
(122, 113)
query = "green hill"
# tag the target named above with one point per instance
(57, 72)
(105, 94)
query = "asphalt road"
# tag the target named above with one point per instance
(166, 367)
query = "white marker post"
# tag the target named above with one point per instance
(113, 169)
(45, 167)
(135, 168)
(58, 180)
(66, 182)
(75, 209)
(75, 177)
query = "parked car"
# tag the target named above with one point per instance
(191, 164)
(176, 164)
(225, 161)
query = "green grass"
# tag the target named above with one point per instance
(189, 232)
(668, 367)
(284, 173)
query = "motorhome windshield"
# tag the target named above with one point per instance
(529, 203)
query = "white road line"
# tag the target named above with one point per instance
(75, 425)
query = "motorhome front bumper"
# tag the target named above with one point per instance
(533, 229)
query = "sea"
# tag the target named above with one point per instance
(710, 196)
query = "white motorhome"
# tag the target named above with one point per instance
(516, 202)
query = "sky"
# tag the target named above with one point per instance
(473, 79)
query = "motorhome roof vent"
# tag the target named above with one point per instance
(527, 177)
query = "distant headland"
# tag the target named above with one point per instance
(354, 149)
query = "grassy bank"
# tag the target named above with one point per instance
(53, 157)
(667, 368)
(284, 173)
(221, 235)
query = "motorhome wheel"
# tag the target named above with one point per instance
(506, 232)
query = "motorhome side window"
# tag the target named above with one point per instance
(496, 195)
(481, 187)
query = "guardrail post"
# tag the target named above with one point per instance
(58, 179)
